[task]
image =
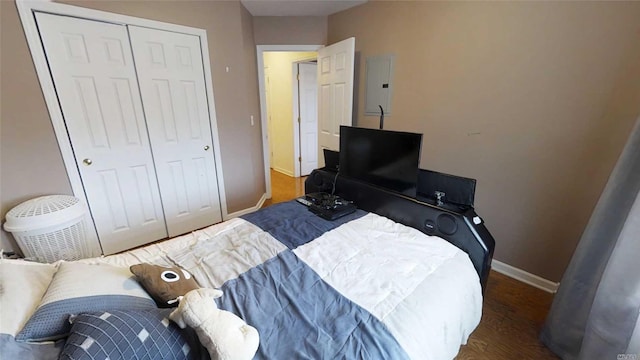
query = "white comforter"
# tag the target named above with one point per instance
(424, 289)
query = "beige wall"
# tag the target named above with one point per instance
(290, 30)
(533, 99)
(31, 162)
(254, 149)
(280, 64)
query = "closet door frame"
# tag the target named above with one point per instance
(26, 10)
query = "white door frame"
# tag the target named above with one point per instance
(297, 171)
(26, 9)
(261, 49)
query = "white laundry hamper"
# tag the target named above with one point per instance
(50, 228)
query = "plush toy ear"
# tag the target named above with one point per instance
(214, 293)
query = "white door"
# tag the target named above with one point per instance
(267, 94)
(308, 108)
(171, 77)
(335, 93)
(95, 80)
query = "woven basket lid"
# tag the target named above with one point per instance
(44, 211)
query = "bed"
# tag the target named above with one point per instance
(360, 287)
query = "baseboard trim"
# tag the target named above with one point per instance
(525, 277)
(284, 171)
(248, 210)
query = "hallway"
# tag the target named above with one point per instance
(284, 188)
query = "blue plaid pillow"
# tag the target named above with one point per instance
(127, 335)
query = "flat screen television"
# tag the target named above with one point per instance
(384, 158)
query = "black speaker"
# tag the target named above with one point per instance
(331, 160)
(447, 224)
(454, 189)
(316, 182)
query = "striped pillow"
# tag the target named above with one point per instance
(77, 288)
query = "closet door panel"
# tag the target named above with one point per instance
(94, 75)
(171, 78)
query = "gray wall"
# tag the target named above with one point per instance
(535, 100)
(31, 162)
(290, 30)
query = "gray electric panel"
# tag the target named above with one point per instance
(378, 84)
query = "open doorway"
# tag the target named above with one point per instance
(291, 93)
(277, 69)
(335, 95)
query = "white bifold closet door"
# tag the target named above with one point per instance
(174, 97)
(92, 68)
(139, 130)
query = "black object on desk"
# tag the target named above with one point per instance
(327, 206)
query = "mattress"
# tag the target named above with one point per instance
(360, 287)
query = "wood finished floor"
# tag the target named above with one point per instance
(513, 312)
(284, 188)
(512, 316)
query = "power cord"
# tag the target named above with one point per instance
(333, 190)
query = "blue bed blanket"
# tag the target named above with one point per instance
(360, 287)
(318, 289)
(293, 224)
(299, 316)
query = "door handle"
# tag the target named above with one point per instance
(87, 162)
(206, 147)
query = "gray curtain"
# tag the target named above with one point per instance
(595, 312)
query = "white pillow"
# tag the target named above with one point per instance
(22, 285)
(77, 288)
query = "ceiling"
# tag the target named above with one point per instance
(298, 7)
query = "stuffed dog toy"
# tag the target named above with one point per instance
(225, 335)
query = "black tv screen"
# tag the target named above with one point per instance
(388, 159)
